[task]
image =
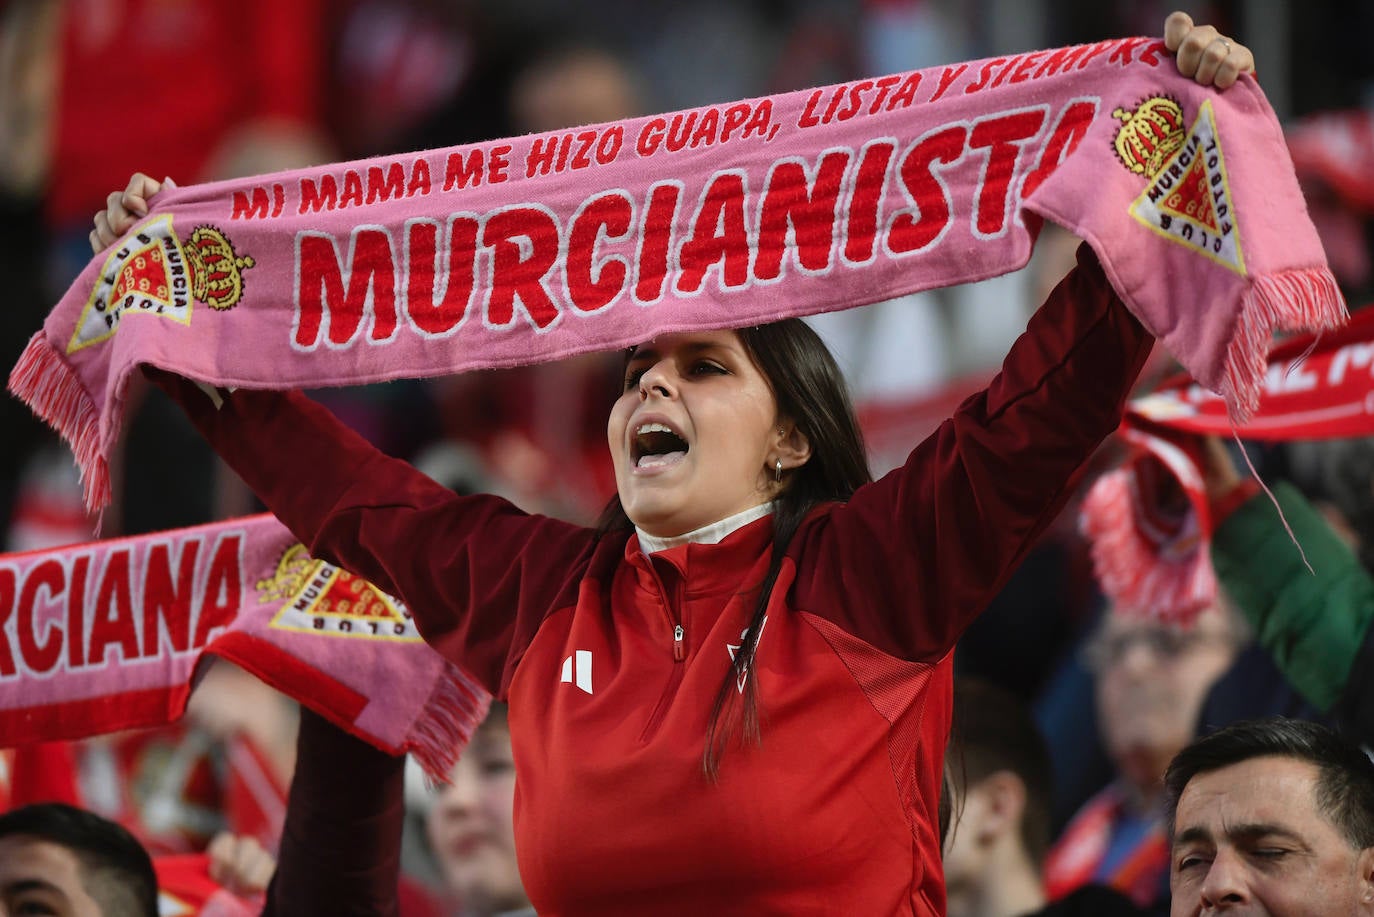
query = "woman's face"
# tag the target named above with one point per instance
(694, 434)
(471, 827)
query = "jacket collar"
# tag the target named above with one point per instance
(714, 533)
(707, 567)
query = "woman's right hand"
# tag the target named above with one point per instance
(123, 209)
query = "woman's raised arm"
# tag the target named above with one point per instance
(934, 541)
(461, 564)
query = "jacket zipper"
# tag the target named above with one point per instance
(679, 656)
(661, 708)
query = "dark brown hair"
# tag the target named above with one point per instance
(115, 869)
(1344, 792)
(995, 731)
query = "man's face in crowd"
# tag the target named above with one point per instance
(39, 877)
(1249, 840)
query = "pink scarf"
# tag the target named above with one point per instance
(106, 636)
(545, 246)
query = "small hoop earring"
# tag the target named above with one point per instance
(777, 472)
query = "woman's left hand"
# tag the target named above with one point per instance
(1204, 54)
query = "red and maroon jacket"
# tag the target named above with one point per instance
(611, 659)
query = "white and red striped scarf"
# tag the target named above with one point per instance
(1149, 520)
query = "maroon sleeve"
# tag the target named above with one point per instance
(913, 558)
(341, 844)
(460, 563)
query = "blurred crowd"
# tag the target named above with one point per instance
(92, 90)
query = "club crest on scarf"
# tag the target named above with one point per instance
(155, 273)
(320, 598)
(1188, 199)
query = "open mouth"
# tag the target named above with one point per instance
(656, 444)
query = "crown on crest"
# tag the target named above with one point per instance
(1149, 134)
(293, 571)
(216, 270)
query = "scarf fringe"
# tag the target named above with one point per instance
(456, 707)
(50, 387)
(1129, 566)
(1300, 300)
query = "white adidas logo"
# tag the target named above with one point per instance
(577, 669)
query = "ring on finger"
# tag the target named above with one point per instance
(1225, 44)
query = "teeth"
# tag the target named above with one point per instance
(656, 444)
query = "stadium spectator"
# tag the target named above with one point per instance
(1150, 683)
(1000, 774)
(1272, 817)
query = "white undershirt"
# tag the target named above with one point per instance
(714, 533)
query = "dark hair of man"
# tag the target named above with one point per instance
(811, 393)
(1344, 792)
(115, 869)
(994, 731)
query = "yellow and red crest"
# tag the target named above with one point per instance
(1188, 196)
(320, 598)
(1149, 134)
(154, 273)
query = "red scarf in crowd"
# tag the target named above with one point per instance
(185, 889)
(1076, 858)
(1149, 520)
